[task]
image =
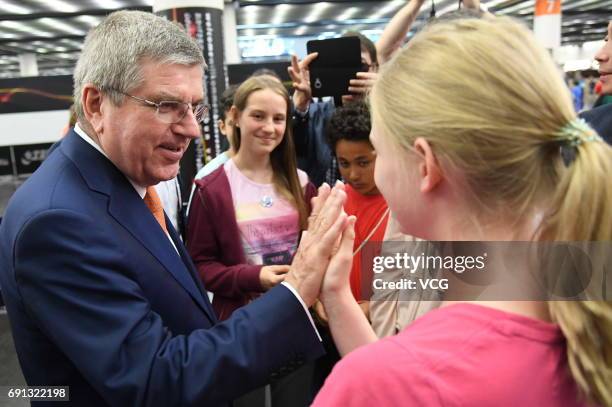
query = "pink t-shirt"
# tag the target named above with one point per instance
(268, 223)
(459, 355)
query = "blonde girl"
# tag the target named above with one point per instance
(477, 139)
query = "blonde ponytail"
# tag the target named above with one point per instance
(581, 212)
(587, 327)
(580, 208)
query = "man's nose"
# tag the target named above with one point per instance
(188, 126)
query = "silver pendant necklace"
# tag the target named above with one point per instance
(266, 201)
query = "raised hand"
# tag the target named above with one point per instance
(394, 35)
(336, 280)
(325, 226)
(363, 83)
(360, 86)
(300, 75)
(347, 320)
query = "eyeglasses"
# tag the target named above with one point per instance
(171, 111)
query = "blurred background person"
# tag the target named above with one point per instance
(601, 116)
(348, 135)
(310, 118)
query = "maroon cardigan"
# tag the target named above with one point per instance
(214, 244)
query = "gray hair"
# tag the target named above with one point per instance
(114, 51)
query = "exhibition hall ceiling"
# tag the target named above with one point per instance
(54, 29)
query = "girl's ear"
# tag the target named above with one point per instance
(430, 171)
(221, 126)
(234, 115)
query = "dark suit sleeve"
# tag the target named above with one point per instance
(77, 284)
(314, 154)
(300, 134)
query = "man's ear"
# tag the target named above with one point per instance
(430, 172)
(92, 98)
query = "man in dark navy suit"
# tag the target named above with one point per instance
(101, 295)
(600, 118)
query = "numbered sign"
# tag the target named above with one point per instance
(547, 7)
(547, 22)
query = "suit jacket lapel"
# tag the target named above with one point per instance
(189, 265)
(126, 206)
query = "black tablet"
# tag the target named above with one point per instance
(338, 62)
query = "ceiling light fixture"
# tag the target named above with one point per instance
(520, 6)
(250, 14)
(89, 20)
(62, 6)
(348, 13)
(11, 8)
(109, 4)
(280, 13)
(15, 26)
(489, 5)
(56, 24)
(317, 10)
(392, 6)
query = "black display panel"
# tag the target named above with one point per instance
(35, 94)
(28, 157)
(6, 162)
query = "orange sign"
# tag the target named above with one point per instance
(547, 7)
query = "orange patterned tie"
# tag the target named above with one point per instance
(151, 199)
